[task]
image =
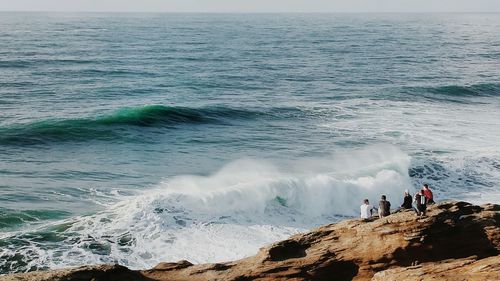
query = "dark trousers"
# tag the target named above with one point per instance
(420, 209)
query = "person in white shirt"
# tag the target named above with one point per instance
(366, 210)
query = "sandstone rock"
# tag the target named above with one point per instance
(83, 273)
(450, 270)
(456, 241)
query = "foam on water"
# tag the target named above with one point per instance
(224, 216)
(89, 138)
(454, 148)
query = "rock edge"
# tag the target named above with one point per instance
(455, 241)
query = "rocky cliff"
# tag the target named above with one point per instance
(456, 241)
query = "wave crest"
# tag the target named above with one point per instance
(105, 127)
(477, 90)
(224, 216)
(451, 93)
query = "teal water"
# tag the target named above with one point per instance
(136, 138)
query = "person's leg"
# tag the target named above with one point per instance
(421, 210)
(416, 211)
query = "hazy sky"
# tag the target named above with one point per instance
(253, 5)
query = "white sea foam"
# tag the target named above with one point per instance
(230, 214)
(454, 146)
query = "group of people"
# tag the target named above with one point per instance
(418, 203)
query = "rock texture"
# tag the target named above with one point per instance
(456, 241)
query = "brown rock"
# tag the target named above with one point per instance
(456, 241)
(450, 270)
(83, 273)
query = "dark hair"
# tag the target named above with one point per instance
(383, 197)
(366, 201)
(426, 185)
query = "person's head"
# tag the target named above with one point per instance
(366, 201)
(426, 186)
(407, 192)
(421, 192)
(383, 197)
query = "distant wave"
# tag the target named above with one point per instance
(24, 63)
(449, 93)
(477, 90)
(104, 127)
(14, 64)
(163, 115)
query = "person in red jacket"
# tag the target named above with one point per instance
(428, 194)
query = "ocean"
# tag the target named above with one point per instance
(140, 138)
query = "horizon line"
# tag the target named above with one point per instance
(254, 12)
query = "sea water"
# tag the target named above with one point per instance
(140, 138)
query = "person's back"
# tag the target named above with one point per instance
(428, 194)
(366, 210)
(384, 207)
(421, 203)
(406, 201)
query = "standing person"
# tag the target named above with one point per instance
(420, 203)
(406, 200)
(384, 207)
(366, 210)
(428, 194)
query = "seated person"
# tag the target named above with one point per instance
(420, 203)
(384, 207)
(366, 210)
(428, 194)
(406, 200)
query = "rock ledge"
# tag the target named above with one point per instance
(456, 241)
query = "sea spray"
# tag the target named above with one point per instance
(223, 216)
(140, 107)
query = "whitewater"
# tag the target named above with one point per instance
(142, 138)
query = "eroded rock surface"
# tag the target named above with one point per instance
(456, 241)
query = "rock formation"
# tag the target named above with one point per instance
(455, 241)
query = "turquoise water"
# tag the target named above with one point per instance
(138, 138)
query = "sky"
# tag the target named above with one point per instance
(252, 6)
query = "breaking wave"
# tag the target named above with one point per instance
(226, 215)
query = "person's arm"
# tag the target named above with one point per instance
(371, 209)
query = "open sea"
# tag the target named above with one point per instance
(140, 138)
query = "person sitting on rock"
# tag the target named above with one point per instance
(366, 210)
(406, 200)
(384, 207)
(428, 194)
(420, 203)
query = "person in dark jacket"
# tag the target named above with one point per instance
(384, 207)
(420, 203)
(407, 201)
